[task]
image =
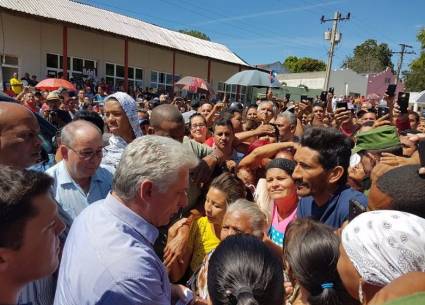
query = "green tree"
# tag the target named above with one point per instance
(303, 64)
(369, 57)
(196, 34)
(415, 76)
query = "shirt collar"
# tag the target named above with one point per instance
(334, 197)
(135, 221)
(63, 176)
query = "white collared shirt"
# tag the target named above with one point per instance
(71, 196)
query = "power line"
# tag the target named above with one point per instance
(235, 24)
(334, 38)
(400, 63)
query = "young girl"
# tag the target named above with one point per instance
(205, 231)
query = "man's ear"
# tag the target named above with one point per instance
(335, 174)
(5, 258)
(64, 151)
(146, 190)
(151, 130)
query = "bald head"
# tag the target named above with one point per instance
(81, 149)
(165, 113)
(19, 131)
(166, 120)
(77, 129)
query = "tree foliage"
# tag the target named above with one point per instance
(303, 64)
(196, 34)
(369, 57)
(415, 76)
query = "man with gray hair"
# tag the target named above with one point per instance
(79, 179)
(265, 111)
(109, 257)
(286, 123)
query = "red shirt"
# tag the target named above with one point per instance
(210, 142)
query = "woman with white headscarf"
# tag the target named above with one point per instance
(123, 123)
(378, 247)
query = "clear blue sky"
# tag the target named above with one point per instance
(270, 30)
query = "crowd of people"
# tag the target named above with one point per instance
(159, 200)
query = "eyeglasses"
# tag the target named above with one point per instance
(88, 154)
(198, 126)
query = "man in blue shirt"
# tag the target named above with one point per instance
(30, 227)
(108, 256)
(79, 181)
(321, 173)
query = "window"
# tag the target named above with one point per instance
(130, 72)
(77, 65)
(89, 64)
(110, 69)
(139, 74)
(154, 77)
(78, 68)
(52, 61)
(10, 66)
(164, 81)
(119, 72)
(61, 63)
(115, 76)
(232, 91)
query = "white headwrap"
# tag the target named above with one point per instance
(129, 106)
(383, 245)
(112, 153)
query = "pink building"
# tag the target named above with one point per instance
(377, 83)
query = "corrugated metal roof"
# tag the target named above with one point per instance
(100, 19)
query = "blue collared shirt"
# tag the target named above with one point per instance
(71, 196)
(109, 259)
(335, 211)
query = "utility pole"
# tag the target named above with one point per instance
(400, 62)
(335, 38)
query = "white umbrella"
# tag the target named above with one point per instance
(254, 78)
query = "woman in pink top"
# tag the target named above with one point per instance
(281, 201)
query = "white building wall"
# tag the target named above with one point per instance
(348, 82)
(30, 39)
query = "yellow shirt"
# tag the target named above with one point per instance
(16, 85)
(203, 240)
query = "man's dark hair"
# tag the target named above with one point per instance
(334, 148)
(223, 122)
(406, 189)
(243, 270)
(318, 104)
(17, 190)
(417, 117)
(362, 112)
(91, 117)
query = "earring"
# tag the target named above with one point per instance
(361, 296)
